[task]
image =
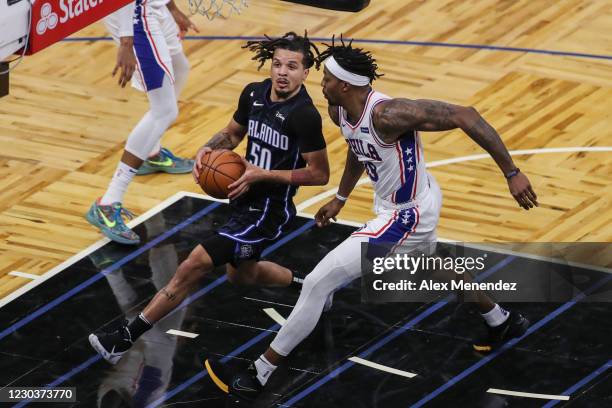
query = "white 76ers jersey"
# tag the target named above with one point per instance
(397, 170)
(155, 3)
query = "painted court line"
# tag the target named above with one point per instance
(204, 373)
(437, 163)
(182, 333)
(187, 302)
(263, 335)
(24, 275)
(389, 337)
(381, 367)
(384, 41)
(559, 261)
(60, 380)
(507, 346)
(93, 247)
(528, 394)
(571, 390)
(267, 301)
(100, 275)
(274, 315)
(225, 322)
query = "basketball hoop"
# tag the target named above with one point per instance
(217, 8)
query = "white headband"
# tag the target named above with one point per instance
(344, 75)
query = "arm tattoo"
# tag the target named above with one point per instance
(170, 296)
(438, 115)
(398, 116)
(221, 140)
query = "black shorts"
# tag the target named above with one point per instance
(253, 226)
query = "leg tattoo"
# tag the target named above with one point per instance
(170, 296)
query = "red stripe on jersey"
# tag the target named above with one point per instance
(398, 148)
(380, 231)
(416, 181)
(408, 233)
(417, 146)
(152, 42)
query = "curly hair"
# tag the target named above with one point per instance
(264, 49)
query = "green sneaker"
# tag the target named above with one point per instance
(109, 219)
(165, 162)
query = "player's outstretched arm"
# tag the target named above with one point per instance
(394, 117)
(353, 170)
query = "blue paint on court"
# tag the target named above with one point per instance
(485, 47)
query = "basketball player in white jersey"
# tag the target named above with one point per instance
(382, 134)
(150, 53)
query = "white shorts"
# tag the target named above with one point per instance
(156, 40)
(407, 229)
(403, 230)
(404, 227)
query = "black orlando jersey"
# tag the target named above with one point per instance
(278, 134)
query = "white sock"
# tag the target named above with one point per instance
(264, 369)
(119, 184)
(496, 316)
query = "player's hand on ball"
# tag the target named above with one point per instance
(521, 190)
(197, 165)
(252, 174)
(328, 212)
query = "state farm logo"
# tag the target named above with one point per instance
(48, 19)
(74, 8)
(69, 9)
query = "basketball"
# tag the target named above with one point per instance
(220, 168)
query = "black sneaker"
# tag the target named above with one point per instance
(243, 385)
(112, 345)
(515, 326)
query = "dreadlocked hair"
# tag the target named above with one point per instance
(264, 49)
(355, 60)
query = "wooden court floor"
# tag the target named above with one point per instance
(63, 127)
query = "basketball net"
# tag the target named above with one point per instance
(217, 8)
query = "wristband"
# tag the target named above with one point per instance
(512, 173)
(341, 198)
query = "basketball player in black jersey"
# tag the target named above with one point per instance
(285, 149)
